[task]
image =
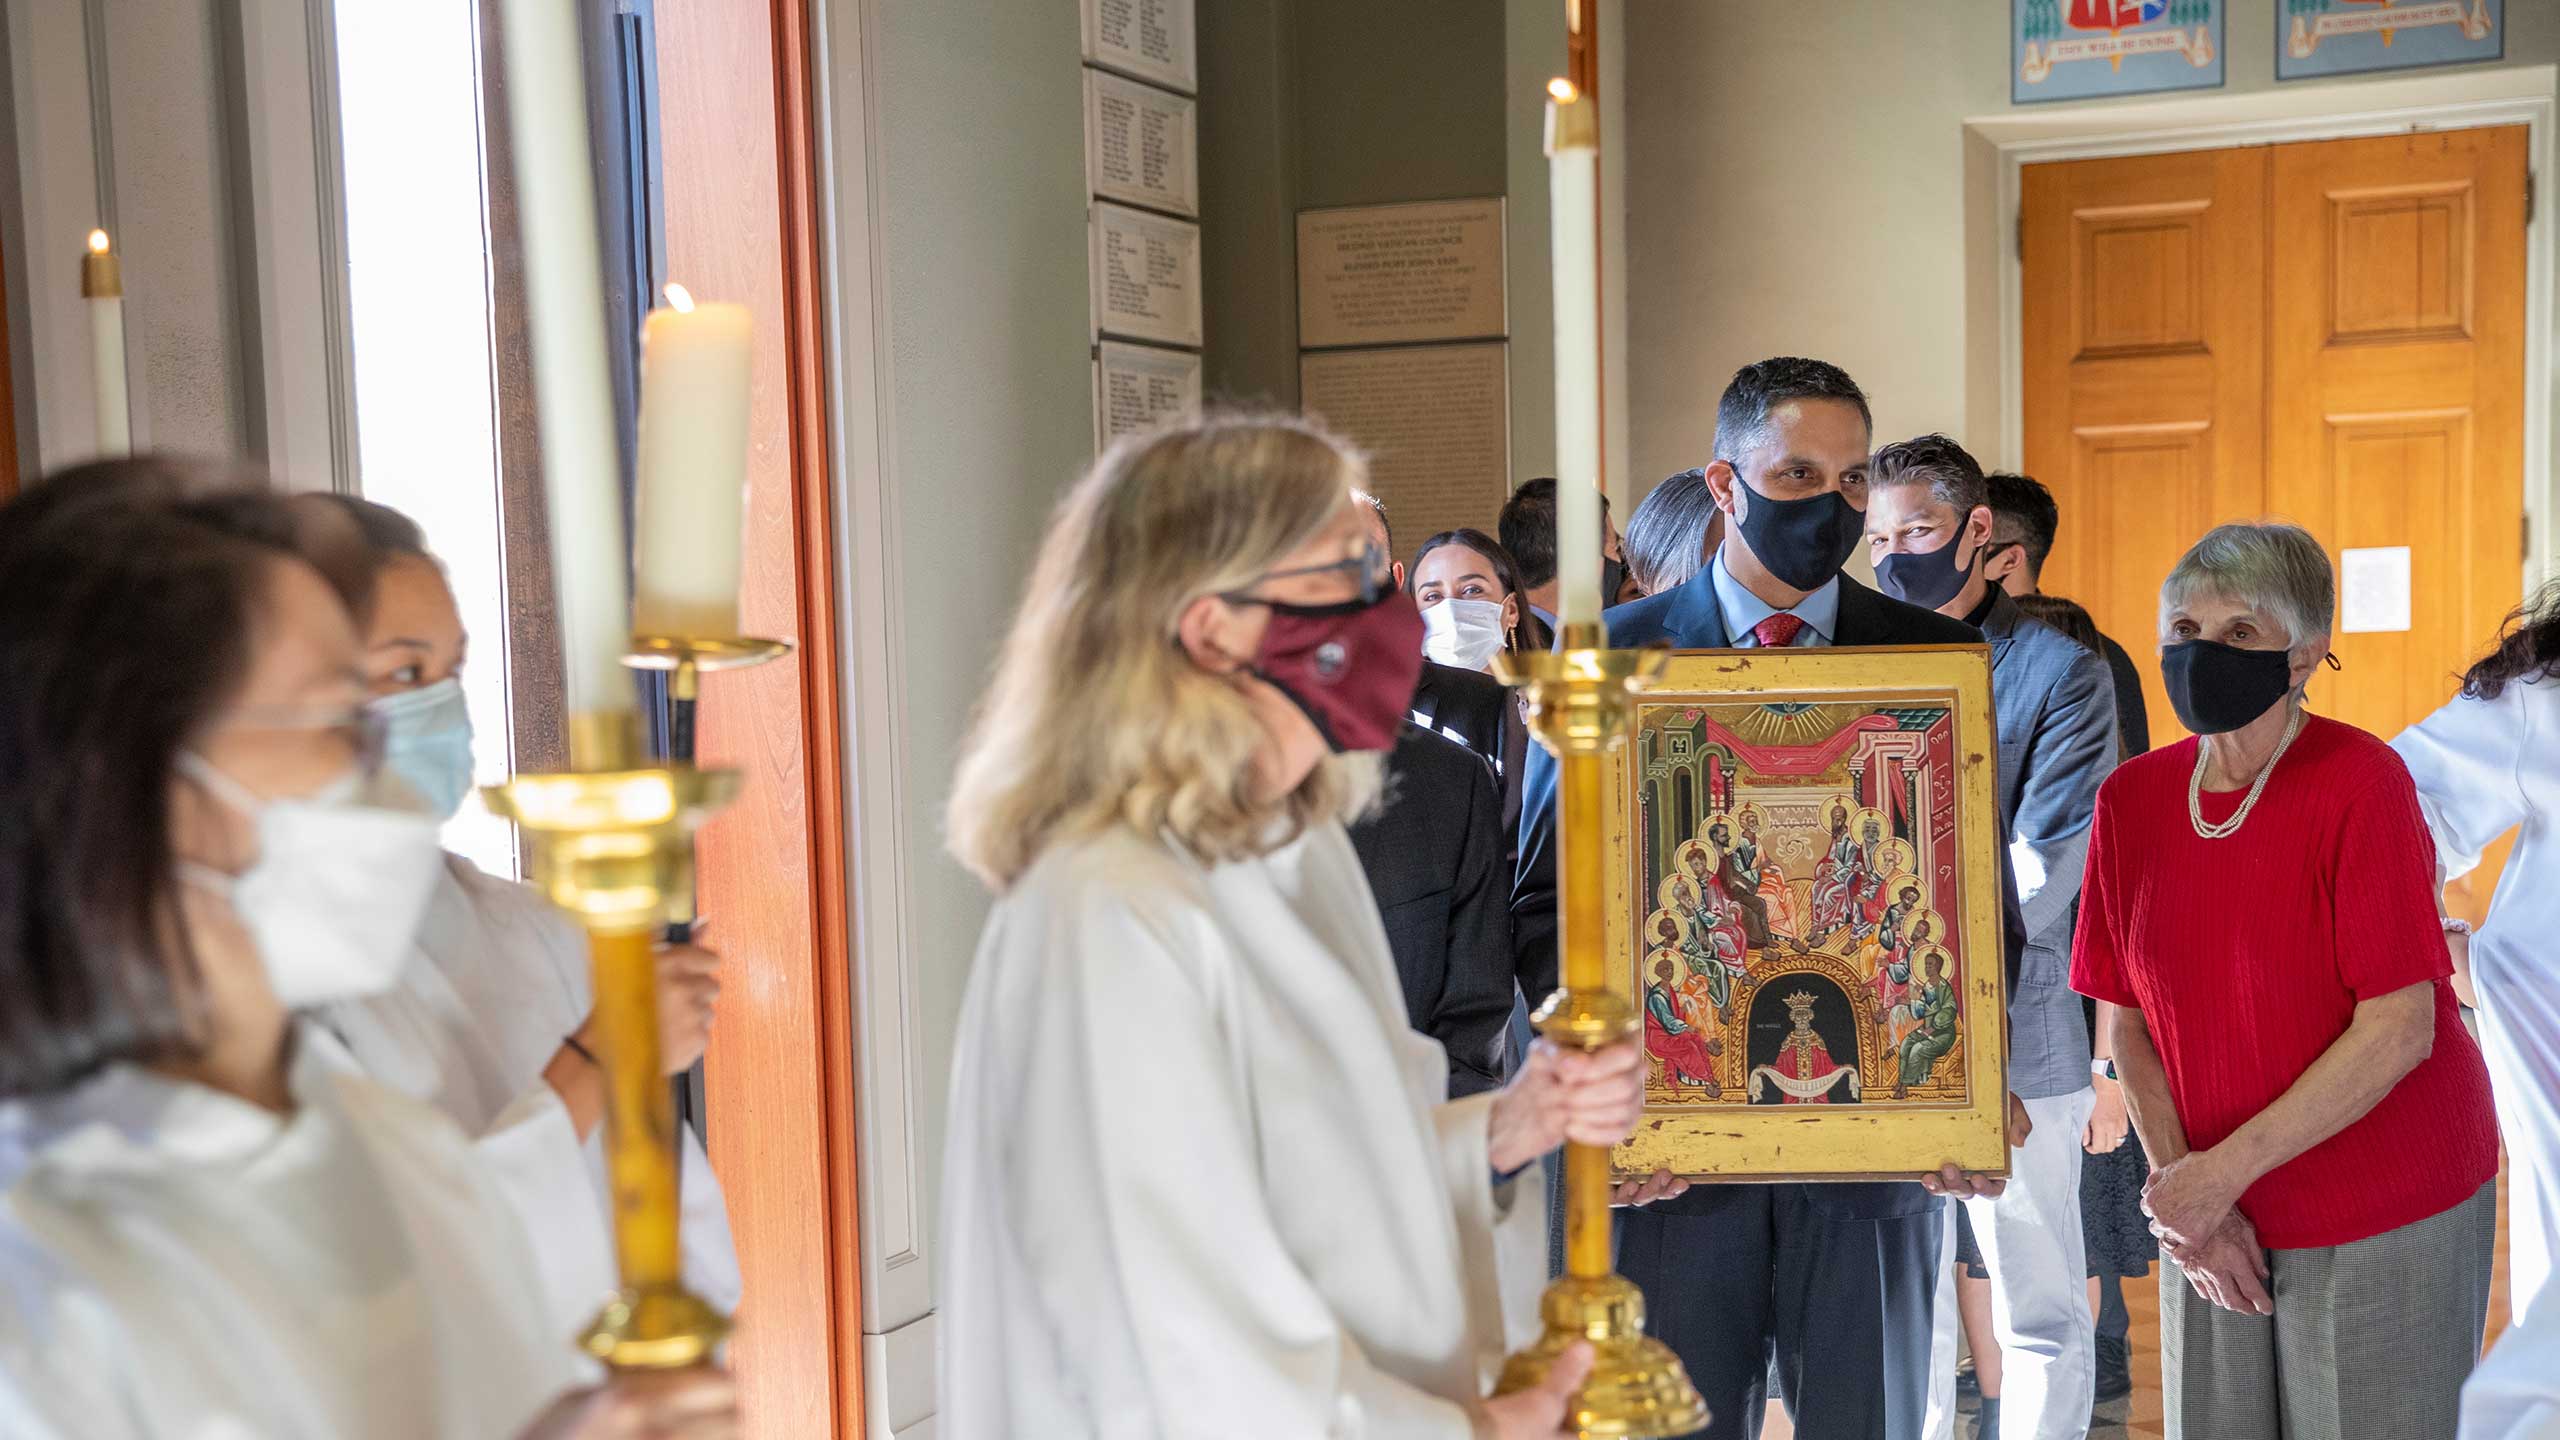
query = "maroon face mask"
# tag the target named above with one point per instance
(1352, 667)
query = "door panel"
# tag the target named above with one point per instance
(2330, 333)
(2396, 409)
(2145, 369)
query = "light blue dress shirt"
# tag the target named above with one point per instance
(1820, 610)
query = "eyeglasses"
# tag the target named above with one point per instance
(1376, 572)
(364, 729)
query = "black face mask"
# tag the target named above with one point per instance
(2218, 688)
(1613, 578)
(1802, 542)
(1928, 579)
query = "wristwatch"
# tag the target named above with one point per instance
(2104, 1069)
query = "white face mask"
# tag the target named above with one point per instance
(336, 893)
(1464, 633)
(427, 743)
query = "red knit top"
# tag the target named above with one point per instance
(2247, 955)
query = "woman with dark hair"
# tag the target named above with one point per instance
(491, 1019)
(213, 1224)
(2486, 764)
(1473, 604)
(1671, 533)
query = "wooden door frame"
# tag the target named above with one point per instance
(2452, 100)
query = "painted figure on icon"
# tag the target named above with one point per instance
(1804, 1071)
(1753, 860)
(1836, 878)
(1686, 1049)
(1933, 1008)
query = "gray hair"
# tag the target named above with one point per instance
(2273, 567)
(1667, 536)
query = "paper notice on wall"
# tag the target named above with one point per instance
(2373, 590)
(1146, 276)
(1152, 39)
(1141, 144)
(1139, 385)
(1436, 421)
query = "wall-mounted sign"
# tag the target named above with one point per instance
(2343, 37)
(1146, 276)
(1141, 144)
(1152, 39)
(1436, 421)
(1396, 274)
(2373, 590)
(2074, 49)
(1137, 385)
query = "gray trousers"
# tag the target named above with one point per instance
(2370, 1341)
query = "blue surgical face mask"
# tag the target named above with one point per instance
(427, 743)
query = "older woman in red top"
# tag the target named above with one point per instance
(2259, 907)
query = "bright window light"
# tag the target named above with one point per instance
(425, 385)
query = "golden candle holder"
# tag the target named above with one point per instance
(1581, 701)
(612, 843)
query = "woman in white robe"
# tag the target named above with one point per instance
(491, 1019)
(211, 1223)
(1200, 1178)
(2485, 764)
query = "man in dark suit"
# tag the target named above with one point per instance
(2024, 521)
(1833, 1281)
(1434, 855)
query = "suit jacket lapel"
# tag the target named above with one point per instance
(2000, 626)
(1696, 617)
(1862, 616)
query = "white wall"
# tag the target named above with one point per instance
(963, 409)
(1802, 184)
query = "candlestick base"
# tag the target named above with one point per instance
(724, 652)
(657, 1328)
(1638, 1389)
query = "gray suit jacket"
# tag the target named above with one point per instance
(2056, 714)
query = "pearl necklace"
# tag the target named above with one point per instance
(2195, 785)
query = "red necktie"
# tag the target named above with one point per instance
(1778, 631)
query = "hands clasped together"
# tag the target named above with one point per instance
(2193, 1204)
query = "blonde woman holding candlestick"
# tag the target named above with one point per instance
(213, 1223)
(1202, 1178)
(490, 1019)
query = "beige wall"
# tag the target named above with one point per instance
(1801, 182)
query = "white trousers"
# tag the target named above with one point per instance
(2032, 1244)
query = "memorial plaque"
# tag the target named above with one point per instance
(1146, 276)
(1151, 39)
(1396, 274)
(1138, 385)
(1141, 144)
(1436, 421)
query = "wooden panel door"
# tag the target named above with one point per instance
(2396, 396)
(2145, 370)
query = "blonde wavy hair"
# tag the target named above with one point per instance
(1096, 715)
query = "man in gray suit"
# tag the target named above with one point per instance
(1929, 530)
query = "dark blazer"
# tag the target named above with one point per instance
(1479, 712)
(1690, 618)
(2133, 722)
(1434, 858)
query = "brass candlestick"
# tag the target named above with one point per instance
(612, 843)
(685, 658)
(1581, 706)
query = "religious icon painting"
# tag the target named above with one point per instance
(2077, 49)
(2345, 37)
(1804, 876)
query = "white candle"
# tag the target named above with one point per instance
(692, 468)
(102, 285)
(1573, 158)
(573, 397)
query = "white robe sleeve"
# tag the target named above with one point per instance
(2464, 759)
(1503, 1229)
(1135, 1115)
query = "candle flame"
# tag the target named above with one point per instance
(680, 298)
(98, 242)
(1563, 91)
